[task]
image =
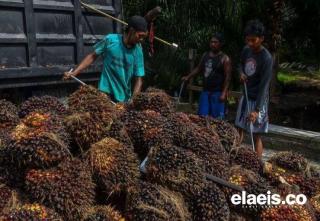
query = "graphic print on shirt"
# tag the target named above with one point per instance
(250, 67)
(208, 68)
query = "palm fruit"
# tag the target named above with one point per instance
(102, 213)
(120, 109)
(8, 114)
(114, 165)
(88, 128)
(205, 145)
(36, 123)
(68, 188)
(10, 174)
(286, 213)
(151, 202)
(176, 168)
(314, 172)
(119, 132)
(154, 99)
(228, 134)
(5, 137)
(34, 212)
(315, 202)
(290, 160)
(237, 216)
(44, 104)
(247, 158)
(8, 198)
(210, 204)
(90, 99)
(44, 150)
(307, 186)
(140, 127)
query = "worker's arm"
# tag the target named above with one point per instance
(227, 72)
(85, 63)
(137, 86)
(195, 71)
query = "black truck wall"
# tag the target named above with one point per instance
(40, 39)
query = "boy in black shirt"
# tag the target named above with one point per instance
(256, 71)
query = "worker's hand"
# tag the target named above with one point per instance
(243, 78)
(67, 75)
(223, 96)
(185, 78)
(253, 116)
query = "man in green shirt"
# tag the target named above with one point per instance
(122, 61)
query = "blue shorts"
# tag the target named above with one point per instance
(210, 104)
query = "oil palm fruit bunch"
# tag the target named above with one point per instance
(194, 137)
(87, 128)
(215, 165)
(205, 145)
(154, 99)
(5, 137)
(36, 123)
(67, 188)
(237, 216)
(44, 150)
(315, 202)
(274, 173)
(114, 165)
(102, 213)
(151, 202)
(34, 212)
(90, 99)
(203, 122)
(8, 114)
(308, 186)
(176, 168)
(10, 173)
(140, 125)
(290, 160)
(247, 158)
(210, 204)
(286, 213)
(8, 198)
(228, 134)
(119, 132)
(44, 104)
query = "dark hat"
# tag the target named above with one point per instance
(138, 23)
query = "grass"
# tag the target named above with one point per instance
(291, 77)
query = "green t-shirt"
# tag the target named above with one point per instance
(120, 64)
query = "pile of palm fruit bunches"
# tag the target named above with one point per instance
(81, 162)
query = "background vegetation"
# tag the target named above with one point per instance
(293, 32)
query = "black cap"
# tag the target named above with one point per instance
(138, 23)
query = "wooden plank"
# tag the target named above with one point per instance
(295, 133)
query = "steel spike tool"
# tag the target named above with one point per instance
(81, 82)
(174, 45)
(76, 79)
(251, 124)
